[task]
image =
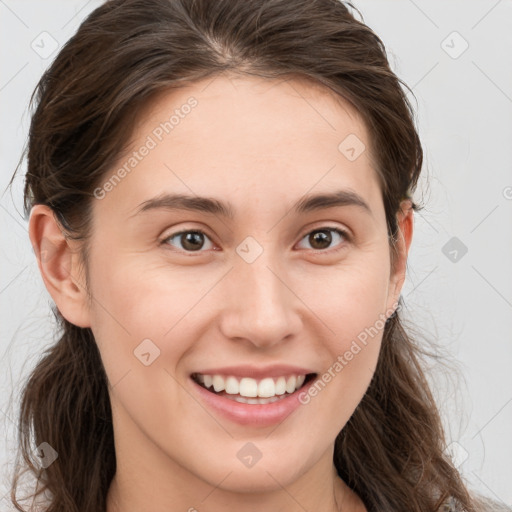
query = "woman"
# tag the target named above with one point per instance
(220, 198)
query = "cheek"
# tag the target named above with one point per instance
(353, 307)
(137, 300)
(137, 319)
(131, 307)
(348, 298)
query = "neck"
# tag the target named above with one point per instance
(148, 479)
(124, 496)
(128, 495)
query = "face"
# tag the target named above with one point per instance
(260, 281)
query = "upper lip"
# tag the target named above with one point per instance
(255, 372)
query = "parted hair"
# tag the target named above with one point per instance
(392, 450)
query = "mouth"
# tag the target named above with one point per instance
(251, 391)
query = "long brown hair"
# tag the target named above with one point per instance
(126, 51)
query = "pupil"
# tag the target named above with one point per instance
(322, 237)
(192, 240)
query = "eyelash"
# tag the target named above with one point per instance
(337, 230)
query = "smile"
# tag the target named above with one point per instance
(252, 391)
(252, 402)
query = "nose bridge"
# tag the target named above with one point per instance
(261, 307)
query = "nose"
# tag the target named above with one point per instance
(259, 304)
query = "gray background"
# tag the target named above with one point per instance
(462, 300)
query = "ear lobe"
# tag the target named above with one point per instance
(58, 262)
(405, 220)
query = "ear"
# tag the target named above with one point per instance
(58, 262)
(405, 221)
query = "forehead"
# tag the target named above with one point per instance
(247, 136)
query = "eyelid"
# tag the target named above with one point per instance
(344, 232)
(347, 233)
(163, 240)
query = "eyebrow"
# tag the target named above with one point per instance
(213, 206)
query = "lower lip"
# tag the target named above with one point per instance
(261, 415)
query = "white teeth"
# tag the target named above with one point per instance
(267, 388)
(232, 386)
(253, 401)
(248, 388)
(280, 386)
(290, 384)
(218, 383)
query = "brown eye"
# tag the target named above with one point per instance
(191, 241)
(321, 239)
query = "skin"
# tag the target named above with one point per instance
(297, 303)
